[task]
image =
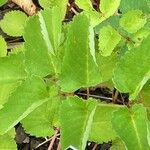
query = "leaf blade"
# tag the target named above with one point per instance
(84, 114)
(13, 23)
(25, 101)
(78, 59)
(133, 122)
(124, 79)
(108, 40)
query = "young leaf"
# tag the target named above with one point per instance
(102, 130)
(41, 121)
(76, 120)
(7, 141)
(12, 69)
(108, 40)
(133, 20)
(127, 5)
(132, 127)
(109, 7)
(78, 67)
(28, 96)
(133, 70)
(3, 48)
(38, 57)
(13, 23)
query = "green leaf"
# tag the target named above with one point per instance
(133, 70)
(13, 23)
(3, 48)
(38, 55)
(107, 65)
(113, 21)
(145, 94)
(40, 122)
(92, 43)
(7, 141)
(109, 7)
(51, 22)
(2, 2)
(6, 90)
(12, 69)
(118, 144)
(76, 120)
(108, 40)
(17, 49)
(131, 126)
(139, 36)
(94, 17)
(78, 66)
(127, 5)
(86, 4)
(102, 130)
(28, 96)
(133, 20)
(52, 3)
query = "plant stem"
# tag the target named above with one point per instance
(95, 146)
(72, 9)
(53, 140)
(47, 140)
(59, 146)
(96, 96)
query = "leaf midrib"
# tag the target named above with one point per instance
(136, 132)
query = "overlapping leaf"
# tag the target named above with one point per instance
(94, 16)
(78, 67)
(133, 20)
(28, 96)
(13, 23)
(76, 120)
(108, 40)
(133, 70)
(132, 124)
